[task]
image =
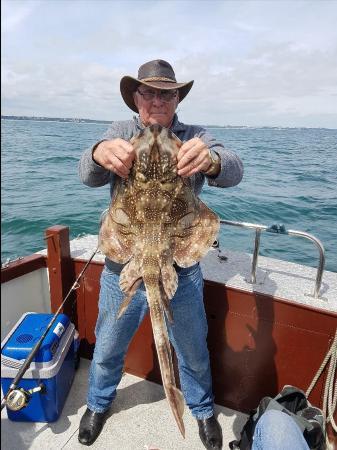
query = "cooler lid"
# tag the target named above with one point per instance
(28, 331)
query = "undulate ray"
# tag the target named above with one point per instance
(155, 220)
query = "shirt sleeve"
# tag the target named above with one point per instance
(231, 171)
(92, 174)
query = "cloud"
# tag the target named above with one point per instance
(254, 63)
(63, 90)
(15, 13)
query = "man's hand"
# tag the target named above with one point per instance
(116, 155)
(193, 157)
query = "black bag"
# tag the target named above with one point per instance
(293, 402)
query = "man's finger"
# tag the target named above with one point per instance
(125, 145)
(186, 147)
(187, 155)
(124, 153)
(117, 166)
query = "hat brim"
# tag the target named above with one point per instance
(129, 85)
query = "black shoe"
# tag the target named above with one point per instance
(90, 426)
(210, 433)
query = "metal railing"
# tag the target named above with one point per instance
(280, 229)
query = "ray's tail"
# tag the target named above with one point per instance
(173, 394)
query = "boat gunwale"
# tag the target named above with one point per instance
(31, 263)
(23, 266)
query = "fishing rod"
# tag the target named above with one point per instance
(15, 398)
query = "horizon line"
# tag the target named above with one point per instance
(79, 119)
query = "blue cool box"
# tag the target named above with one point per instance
(53, 365)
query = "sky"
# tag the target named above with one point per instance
(254, 63)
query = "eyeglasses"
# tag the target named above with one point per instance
(164, 95)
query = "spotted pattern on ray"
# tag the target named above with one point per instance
(155, 220)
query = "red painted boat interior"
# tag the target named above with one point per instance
(257, 343)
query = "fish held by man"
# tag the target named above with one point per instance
(154, 221)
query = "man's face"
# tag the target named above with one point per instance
(156, 108)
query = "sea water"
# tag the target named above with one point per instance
(290, 178)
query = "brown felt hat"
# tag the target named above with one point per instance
(158, 74)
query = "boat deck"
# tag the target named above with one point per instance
(140, 419)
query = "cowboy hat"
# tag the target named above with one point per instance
(157, 74)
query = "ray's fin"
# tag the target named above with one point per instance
(127, 299)
(166, 304)
(194, 245)
(169, 279)
(129, 282)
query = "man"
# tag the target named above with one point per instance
(155, 95)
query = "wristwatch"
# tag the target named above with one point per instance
(215, 165)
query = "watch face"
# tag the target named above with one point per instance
(214, 157)
(214, 167)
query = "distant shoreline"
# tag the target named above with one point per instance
(54, 119)
(78, 120)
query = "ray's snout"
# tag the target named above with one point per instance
(160, 132)
(156, 129)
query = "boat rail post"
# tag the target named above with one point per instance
(321, 263)
(255, 255)
(60, 266)
(280, 229)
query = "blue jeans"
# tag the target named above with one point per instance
(187, 334)
(276, 430)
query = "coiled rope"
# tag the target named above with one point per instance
(330, 388)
